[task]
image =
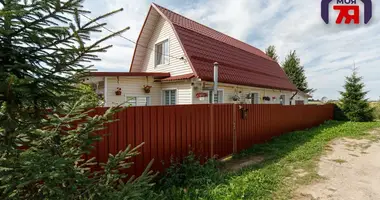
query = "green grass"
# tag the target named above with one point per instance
(275, 178)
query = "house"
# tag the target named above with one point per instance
(301, 98)
(175, 57)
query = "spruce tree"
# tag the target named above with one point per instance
(46, 49)
(45, 129)
(271, 52)
(296, 72)
(353, 102)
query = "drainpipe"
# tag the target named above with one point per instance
(216, 68)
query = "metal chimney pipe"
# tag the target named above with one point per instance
(216, 71)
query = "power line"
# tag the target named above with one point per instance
(129, 40)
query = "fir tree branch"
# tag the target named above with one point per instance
(51, 14)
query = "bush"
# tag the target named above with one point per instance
(376, 107)
(338, 113)
(49, 164)
(189, 178)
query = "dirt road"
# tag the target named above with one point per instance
(349, 171)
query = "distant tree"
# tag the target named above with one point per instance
(353, 102)
(89, 94)
(295, 72)
(271, 52)
(324, 99)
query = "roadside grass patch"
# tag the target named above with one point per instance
(275, 177)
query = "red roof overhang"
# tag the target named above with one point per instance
(180, 77)
(153, 74)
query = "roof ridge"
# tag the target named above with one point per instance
(244, 43)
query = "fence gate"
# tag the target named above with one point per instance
(222, 131)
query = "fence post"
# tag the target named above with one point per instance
(234, 139)
(212, 129)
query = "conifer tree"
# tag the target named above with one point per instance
(295, 72)
(46, 49)
(353, 102)
(271, 52)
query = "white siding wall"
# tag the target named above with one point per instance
(184, 91)
(186, 94)
(163, 31)
(132, 86)
(229, 91)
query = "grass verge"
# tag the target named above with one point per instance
(274, 178)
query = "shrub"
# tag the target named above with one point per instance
(338, 113)
(376, 106)
(50, 165)
(188, 177)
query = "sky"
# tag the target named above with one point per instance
(328, 52)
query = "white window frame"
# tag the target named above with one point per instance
(258, 99)
(149, 102)
(155, 52)
(163, 96)
(209, 94)
(282, 94)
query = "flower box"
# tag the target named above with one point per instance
(118, 91)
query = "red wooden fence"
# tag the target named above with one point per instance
(171, 132)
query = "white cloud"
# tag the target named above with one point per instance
(327, 51)
(118, 58)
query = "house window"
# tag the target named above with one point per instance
(170, 97)
(282, 99)
(162, 53)
(138, 101)
(131, 101)
(255, 98)
(218, 98)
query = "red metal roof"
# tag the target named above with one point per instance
(239, 63)
(180, 77)
(154, 74)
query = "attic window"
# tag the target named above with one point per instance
(162, 53)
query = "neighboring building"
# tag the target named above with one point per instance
(175, 55)
(301, 98)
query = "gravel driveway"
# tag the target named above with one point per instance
(351, 170)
